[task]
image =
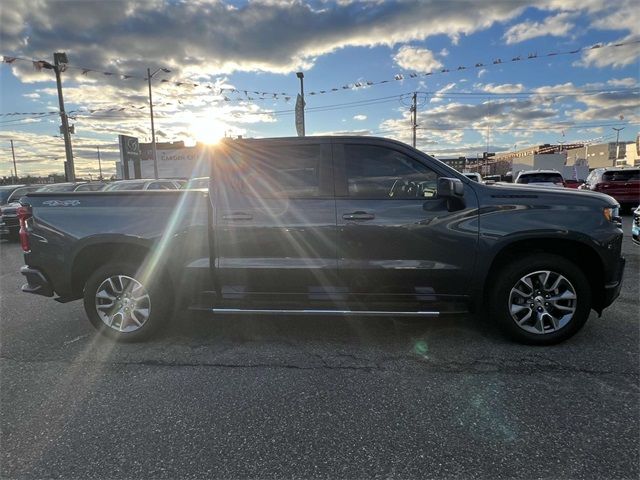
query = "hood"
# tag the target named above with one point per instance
(571, 194)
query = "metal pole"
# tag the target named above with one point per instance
(414, 110)
(99, 162)
(13, 154)
(618, 130)
(65, 121)
(153, 130)
(300, 75)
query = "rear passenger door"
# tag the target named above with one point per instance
(399, 245)
(275, 221)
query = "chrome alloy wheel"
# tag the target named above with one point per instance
(542, 302)
(123, 303)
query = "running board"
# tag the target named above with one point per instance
(361, 313)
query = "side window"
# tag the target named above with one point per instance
(291, 171)
(383, 173)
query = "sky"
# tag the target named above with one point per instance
(488, 75)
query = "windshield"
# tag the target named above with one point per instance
(126, 186)
(90, 187)
(60, 187)
(540, 178)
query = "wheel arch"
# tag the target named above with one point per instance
(96, 253)
(581, 254)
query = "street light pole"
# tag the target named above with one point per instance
(61, 58)
(618, 130)
(153, 130)
(99, 162)
(300, 75)
(13, 154)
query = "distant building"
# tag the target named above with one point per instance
(459, 163)
(538, 157)
(605, 155)
(174, 161)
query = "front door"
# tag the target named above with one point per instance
(275, 221)
(398, 243)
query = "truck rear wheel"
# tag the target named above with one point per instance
(122, 304)
(540, 299)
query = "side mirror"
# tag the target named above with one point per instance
(450, 188)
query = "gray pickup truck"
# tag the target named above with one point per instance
(328, 225)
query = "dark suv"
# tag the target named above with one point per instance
(622, 183)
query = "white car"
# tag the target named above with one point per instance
(543, 178)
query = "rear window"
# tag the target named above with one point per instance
(621, 175)
(541, 178)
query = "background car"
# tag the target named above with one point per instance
(60, 187)
(473, 176)
(12, 193)
(197, 183)
(90, 187)
(573, 183)
(545, 178)
(635, 226)
(144, 184)
(622, 183)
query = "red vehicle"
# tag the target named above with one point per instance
(622, 183)
(571, 183)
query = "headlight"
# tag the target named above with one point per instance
(611, 215)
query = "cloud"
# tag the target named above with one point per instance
(623, 82)
(360, 117)
(416, 59)
(557, 25)
(209, 38)
(617, 57)
(504, 88)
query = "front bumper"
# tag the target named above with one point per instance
(36, 282)
(612, 289)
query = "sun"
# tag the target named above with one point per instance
(207, 129)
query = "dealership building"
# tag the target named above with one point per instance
(175, 160)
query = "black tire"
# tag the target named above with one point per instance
(508, 277)
(159, 303)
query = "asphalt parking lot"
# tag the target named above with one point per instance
(216, 397)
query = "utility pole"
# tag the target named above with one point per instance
(13, 154)
(99, 162)
(300, 75)
(59, 61)
(618, 130)
(153, 130)
(414, 117)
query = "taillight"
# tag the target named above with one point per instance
(24, 213)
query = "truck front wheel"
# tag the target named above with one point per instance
(122, 304)
(540, 299)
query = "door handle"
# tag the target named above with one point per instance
(358, 216)
(237, 216)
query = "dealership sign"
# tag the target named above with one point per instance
(129, 152)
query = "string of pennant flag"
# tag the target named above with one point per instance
(252, 95)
